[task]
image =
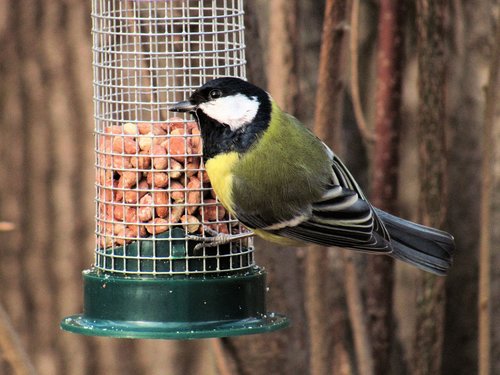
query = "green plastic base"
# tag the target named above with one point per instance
(175, 331)
(174, 308)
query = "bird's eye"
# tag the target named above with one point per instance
(214, 94)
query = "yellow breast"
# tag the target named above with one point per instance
(219, 169)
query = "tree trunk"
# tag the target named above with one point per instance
(282, 63)
(327, 126)
(385, 173)
(473, 24)
(489, 236)
(432, 157)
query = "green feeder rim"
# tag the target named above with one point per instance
(174, 308)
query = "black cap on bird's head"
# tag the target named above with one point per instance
(230, 101)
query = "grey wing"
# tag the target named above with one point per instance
(342, 217)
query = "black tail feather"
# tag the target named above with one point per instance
(427, 248)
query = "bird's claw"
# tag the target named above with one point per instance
(192, 237)
(216, 238)
(210, 231)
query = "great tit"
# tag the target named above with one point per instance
(287, 186)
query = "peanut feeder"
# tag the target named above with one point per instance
(147, 281)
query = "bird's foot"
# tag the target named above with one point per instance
(216, 238)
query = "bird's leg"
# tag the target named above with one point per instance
(216, 238)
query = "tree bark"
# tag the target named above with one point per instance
(327, 126)
(432, 157)
(469, 63)
(487, 241)
(331, 83)
(385, 173)
(282, 64)
(12, 350)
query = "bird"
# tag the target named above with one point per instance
(287, 186)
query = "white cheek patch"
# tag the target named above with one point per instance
(235, 111)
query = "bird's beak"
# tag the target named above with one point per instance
(185, 106)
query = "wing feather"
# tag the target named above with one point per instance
(341, 217)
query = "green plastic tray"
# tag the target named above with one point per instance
(174, 307)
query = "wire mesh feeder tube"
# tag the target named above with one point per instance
(151, 187)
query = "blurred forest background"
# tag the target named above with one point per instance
(405, 91)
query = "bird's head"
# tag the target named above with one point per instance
(229, 101)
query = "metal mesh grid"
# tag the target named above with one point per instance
(151, 188)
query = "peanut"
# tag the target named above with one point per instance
(137, 230)
(203, 176)
(161, 200)
(121, 162)
(115, 129)
(192, 167)
(175, 214)
(103, 208)
(175, 169)
(176, 192)
(191, 223)
(160, 160)
(104, 177)
(157, 226)
(212, 211)
(130, 129)
(145, 142)
(118, 212)
(129, 179)
(119, 229)
(125, 237)
(133, 196)
(105, 195)
(196, 144)
(177, 147)
(105, 142)
(130, 215)
(174, 123)
(105, 160)
(104, 242)
(219, 228)
(141, 162)
(194, 194)
(157, 179)
(144, 128)
(180, 128)
(124, 145)
(130, 220)
(151, 129)
(145, 211)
